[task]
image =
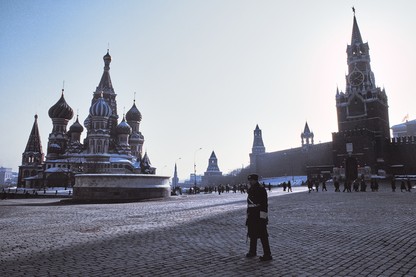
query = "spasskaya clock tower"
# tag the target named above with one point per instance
(363, 119)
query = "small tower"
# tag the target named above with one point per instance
(258, 145)
(257, 149)
(146, 165)
(307, 136)
(213, 169)
(32, 158)
(175, 179)
(213, 174)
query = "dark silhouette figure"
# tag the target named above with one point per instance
(336, 184)
(289, 187)
(363, 185)
(324, 185)
(403, 186)
(257, 219)
(393, 184)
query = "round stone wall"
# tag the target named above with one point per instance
(120, 187)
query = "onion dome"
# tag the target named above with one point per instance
(100, 108)
(61, 109)
(134, 114)
(107, 57)
(124, 128)
(76, 127)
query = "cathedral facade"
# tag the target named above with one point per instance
(110, 146)
(362, 144)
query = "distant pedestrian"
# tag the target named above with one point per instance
(310, 188)
(270, 187)
(257, 218)
(336, 184)
(324, 185)
(393, 184)
(403, 186)
(409, 185)
(347, 186)
(363, 185)
(289, 186)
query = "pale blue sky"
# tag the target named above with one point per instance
(205, 72)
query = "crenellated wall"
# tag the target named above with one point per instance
(294, 161)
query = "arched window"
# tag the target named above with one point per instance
(99, 146)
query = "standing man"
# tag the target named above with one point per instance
(257, 219)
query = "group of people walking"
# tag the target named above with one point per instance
(358, 185)
(405, 185)
(314, 184)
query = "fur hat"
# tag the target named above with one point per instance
(253, 177)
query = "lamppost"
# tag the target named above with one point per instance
(200, 148)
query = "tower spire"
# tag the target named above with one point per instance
(34, 144)
(105, 83)
(356, 35)
(258, 145)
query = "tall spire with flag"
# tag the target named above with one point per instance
(356, 35)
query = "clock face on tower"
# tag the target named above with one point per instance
(356, 78)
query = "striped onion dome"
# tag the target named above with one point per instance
(61, 109)
(100, 108)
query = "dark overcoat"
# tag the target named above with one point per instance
(256, 203)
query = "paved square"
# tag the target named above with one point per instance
(311, 234)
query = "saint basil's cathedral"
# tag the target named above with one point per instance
(109, 146)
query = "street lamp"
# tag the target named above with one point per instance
(200, 148)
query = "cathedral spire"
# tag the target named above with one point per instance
(34, 144)
(105, 84)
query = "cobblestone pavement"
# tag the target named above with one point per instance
(311, 234)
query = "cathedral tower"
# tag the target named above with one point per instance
(136, 140)
(362, 110)
(106, 90)
(32, 158)
(60, 113)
